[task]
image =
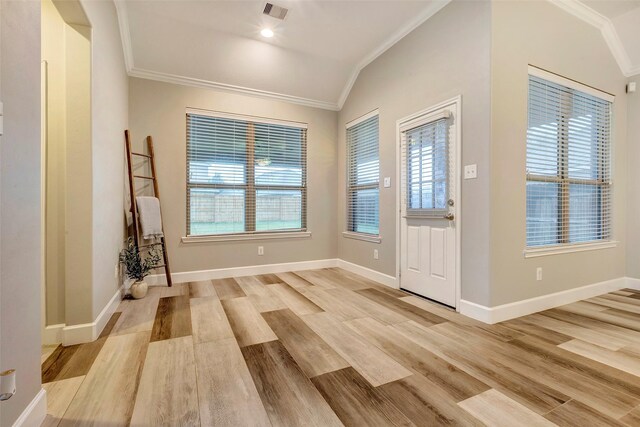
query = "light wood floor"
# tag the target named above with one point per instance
(327, 347)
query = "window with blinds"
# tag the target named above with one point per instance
(568, 163)
(244, 175)
(363, 176)
(426, 163)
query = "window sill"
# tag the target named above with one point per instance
(556, 250)
(361, 236)
(248, 236)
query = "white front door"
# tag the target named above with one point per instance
(427, 227)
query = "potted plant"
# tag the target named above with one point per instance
(137, 268)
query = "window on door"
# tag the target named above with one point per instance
(244, 175)
(427, 166)
(568, 162)
(363, 172)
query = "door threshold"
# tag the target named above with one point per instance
(441, 304)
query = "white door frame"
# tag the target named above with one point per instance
(457, 207)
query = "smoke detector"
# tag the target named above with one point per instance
(275, 11)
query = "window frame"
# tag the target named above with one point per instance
(249, 187)
(562, 177)
(351, 189)
(443, 115)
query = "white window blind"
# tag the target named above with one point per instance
(244, 176)
(568, 165)
(363, 177)
(427, 168)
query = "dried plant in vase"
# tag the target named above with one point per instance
(137, 268)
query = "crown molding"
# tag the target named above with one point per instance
(573, 7)
(606, 27)
(581, 11)
(617, 48)
(207, 84)
(420, 19)
(125, 34)
(133, 71)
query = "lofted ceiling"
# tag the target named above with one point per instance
(313, 58)
(619, 22)
(613, 8)
(316, 52)
(624, 18)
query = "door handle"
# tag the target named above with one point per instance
(448, 216)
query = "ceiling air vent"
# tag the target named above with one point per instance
(274, 11)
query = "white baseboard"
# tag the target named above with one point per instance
(35, 413)
(52, 334)
(106, 313)
(512, 310)
(633, 283)
(220, 273)
(370, 274)
(83, 333)
(88, 332)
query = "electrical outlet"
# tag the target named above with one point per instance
(539, 273)
(375, 254)
(260, 250)
(1, 118)
(470, 171)
(7, 384)
(387, 182)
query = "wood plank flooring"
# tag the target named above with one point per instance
(169, 365)
(329, 348)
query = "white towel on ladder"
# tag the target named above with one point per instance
(150, 219)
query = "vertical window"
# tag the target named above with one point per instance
(568, 162)
(244, 175)
(427, 166)
(363, 175)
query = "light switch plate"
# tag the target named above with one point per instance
(470, 171)
(387, 182)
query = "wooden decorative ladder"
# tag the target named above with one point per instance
(132, 191)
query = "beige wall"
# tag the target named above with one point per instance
(88, 112)
(574, 49)
(445, 57)
(633, 201)
(1, 139)
(66, 47)
(53, 52)
(20, 192)
(158, 109)
(78, 185)
(109, 119)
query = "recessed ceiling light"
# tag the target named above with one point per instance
(267, 32)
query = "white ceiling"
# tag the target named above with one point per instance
(313, 58)
(317, 51)
(624, 16)
(612, 8)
